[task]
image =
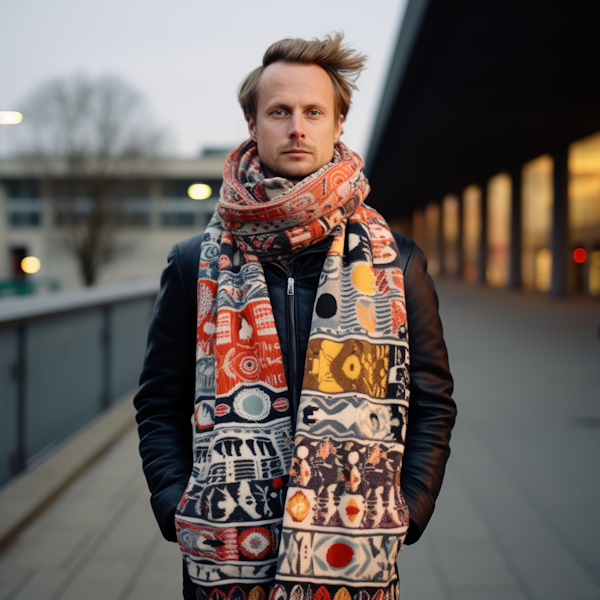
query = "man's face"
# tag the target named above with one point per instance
(295, 126)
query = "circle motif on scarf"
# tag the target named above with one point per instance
(375, 421)
(364, 279)
(188, 539)
(298, 507)
(351, 367)
(281, 405)
(326, 306)
(210, 250)
(222, 410)
(339, 555)
(241, 364)
(255, 542)
(253, 405)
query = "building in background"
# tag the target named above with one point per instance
(157, 212)
(486, 148)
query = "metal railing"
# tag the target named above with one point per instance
(64, 357)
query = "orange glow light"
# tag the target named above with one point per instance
(579, 255)
(31, 264)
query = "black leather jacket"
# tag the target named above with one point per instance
(165, 399)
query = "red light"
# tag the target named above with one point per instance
(579, 255)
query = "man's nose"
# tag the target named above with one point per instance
(297, 130)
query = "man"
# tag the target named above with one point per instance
(319, 435)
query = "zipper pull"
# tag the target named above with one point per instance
(290, 286)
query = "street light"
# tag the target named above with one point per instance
(199, 191)
(10, 117)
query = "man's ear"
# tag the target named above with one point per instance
(251, 126)
(338, 129)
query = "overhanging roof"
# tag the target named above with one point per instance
(481, 86)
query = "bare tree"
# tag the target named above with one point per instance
(86, 137)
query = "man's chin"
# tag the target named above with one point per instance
(294, 172)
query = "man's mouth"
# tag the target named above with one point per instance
(296, 152)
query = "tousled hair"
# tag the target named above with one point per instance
(343, 65)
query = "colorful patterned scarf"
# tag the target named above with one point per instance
(320, 516)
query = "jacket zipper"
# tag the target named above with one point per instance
(293, 388)
(292, 337)
(292, 348)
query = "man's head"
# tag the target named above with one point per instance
(296, 102)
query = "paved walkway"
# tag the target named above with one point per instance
(518, 517)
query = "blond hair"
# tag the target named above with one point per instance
(343, 65)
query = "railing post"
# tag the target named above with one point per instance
(19, 373)
(106, 341)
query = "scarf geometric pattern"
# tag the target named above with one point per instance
(320, 516)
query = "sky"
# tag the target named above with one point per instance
(186, 57)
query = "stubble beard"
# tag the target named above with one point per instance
(292, 172)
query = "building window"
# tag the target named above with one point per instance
(18, 218)
(178, 219)
(136, 212)
(23, 203)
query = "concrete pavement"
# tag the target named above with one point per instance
(518, 517)
(519, 513)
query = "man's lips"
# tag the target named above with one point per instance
(296, 151)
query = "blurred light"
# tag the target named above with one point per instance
(199, 191)
(594, 281)
(10, 117)
(579, 255)
(543, 270)
(31, 264)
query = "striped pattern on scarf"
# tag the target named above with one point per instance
(320, 516)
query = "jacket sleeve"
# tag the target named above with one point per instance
(165, 399)
(432, 411)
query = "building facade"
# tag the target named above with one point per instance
(156, 211)
(486, 146)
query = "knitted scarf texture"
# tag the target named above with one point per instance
(319, 515)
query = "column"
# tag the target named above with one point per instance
(460, 239)
(483, 235)
(516, 229)
(560, 221)
(441, 246)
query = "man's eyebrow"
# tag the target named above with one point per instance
(281, 104)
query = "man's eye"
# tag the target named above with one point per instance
(279, 112)
(314, 113)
